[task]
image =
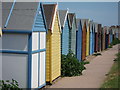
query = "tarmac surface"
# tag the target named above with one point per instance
(95, 72)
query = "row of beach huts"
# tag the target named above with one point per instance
(35, 35)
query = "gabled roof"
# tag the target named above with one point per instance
(99, 28)
(71, 17)
(107, 30)
(83, 22)
(96, 27)
(49, 11)
(22, 17)
(91, 26)
(63, 17)
(104, 29)
(77, 23)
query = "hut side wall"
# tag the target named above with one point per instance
(88, 40)
(16, 42)
(73, 37)
(79, 42)
(65, 39)
(99, 37)
(53, 53)
(93, 38)
(84, 42)
(15, 66)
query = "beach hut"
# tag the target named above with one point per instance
(116, 31)
(53, 48)
(63, 14)
(96, 37)
(79, 40)
(0, 19)
(104, 36)
(119, 32)
(84, 31)
(0, 32)
(113, 31)
(23, 43)
(99, 37)
(88, 37)
(111, 35)
(93, 49)
(72, 35)
(91, 37)
(102, 39)
(107, 37)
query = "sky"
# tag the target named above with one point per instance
(105, 13)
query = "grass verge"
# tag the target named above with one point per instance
(113, 77)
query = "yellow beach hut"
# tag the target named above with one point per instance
(87, 37)
(53, 46)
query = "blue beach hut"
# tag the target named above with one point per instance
(91, 37)
(79, 40)
(111, 35)
(63, 16)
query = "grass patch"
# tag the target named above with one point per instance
(113, 77)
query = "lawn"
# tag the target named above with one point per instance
(113, 77)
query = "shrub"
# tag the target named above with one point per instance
(115, 41)
(6, 85)
(70, 66)
(97, 54)
(110, 46)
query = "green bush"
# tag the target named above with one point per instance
(70, 66)
(97, 54)
(6, 85)
(110, 46)
(115, 41)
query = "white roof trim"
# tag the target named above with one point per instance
(65, 18)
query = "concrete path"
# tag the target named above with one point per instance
(94, 75)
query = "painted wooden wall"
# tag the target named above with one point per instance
(84, 31)
(111, 36)
(99, 37)
(88, 39)
(116, 31)
(15, 62)
(65, 38)
(39, 58)
(53, 53)
(73, 37)
(79, 42)
(104, 36)
(96, 37)
(91, 38)
(106, 41)
(119, 32)
(0, 32)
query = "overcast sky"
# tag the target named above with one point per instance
(105, 13)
